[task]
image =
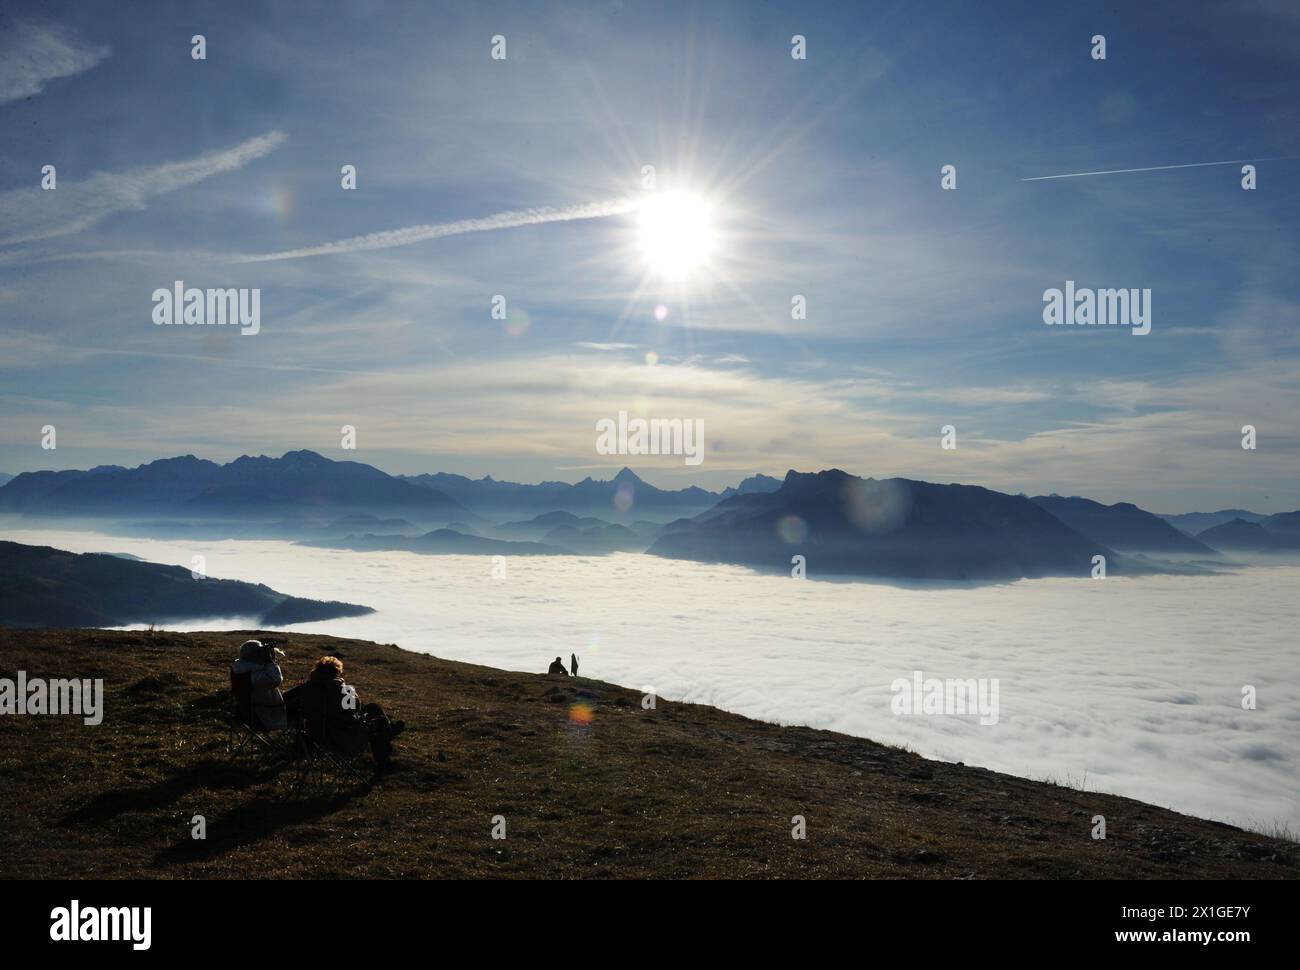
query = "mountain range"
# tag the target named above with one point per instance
(845, 525)
(752, 485)
(299, 483)
(302, 485)
(625, 496)
(895, 527)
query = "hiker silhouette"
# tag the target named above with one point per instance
(330, 713)
(573, 664)
(557, 667)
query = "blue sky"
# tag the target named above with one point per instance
(924, 306)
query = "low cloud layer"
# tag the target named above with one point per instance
(1130, 686)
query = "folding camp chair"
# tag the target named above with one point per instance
(320, 766)
(322, 763)
(246, 734)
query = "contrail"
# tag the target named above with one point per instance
(31, 214)
(1153, 168)
(413, 234)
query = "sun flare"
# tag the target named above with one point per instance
(675, 233)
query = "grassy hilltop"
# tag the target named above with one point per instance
(590, 784)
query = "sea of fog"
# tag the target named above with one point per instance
(1124, 685)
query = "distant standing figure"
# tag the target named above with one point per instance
(557, 667)
(573, 664)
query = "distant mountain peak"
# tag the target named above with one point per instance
(827, 479)
(304, 456)
(627, 476)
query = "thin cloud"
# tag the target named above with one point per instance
(31, 214)
(413, 234)
(1151, 168)
(32, 55)
(605, 347)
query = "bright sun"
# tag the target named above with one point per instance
(676, 233)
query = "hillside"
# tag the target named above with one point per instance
(590, 784)
(1283, 523)
(1122, 526)
(42, 586)
(440, 542)
(1192, 523)
(1242, 536)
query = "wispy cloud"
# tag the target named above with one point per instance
(413, 234)
(1150, 168)
(31, 214)
(33, 54)
(605, 347)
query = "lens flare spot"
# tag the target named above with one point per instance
(875, 507)
(517, 323)
(792, 530)
(581, 715)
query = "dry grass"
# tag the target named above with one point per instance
(680, 791)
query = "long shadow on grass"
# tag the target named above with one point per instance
(251, 822)
(209, 773)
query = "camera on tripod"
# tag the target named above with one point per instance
(270, 651)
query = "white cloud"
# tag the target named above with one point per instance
(605, 347)
(32, 55)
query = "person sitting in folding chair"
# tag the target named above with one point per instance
(332, 715)
(257, 677)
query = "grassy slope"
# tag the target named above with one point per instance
(684, 790)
